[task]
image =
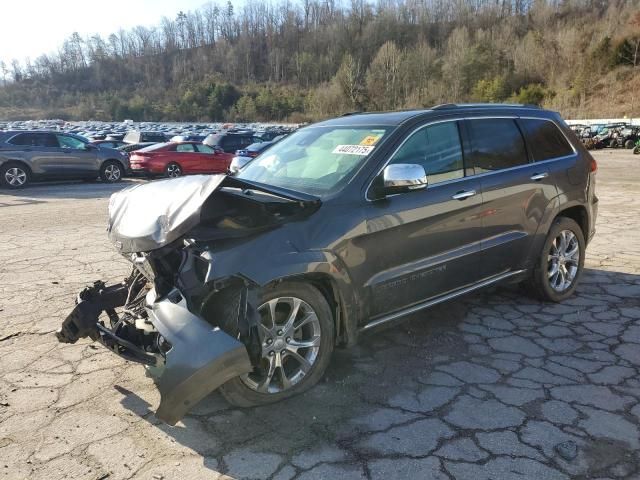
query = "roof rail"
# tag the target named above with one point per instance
(445, 106)
(451, 106)
(349, 113)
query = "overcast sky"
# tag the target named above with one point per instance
(29, 28)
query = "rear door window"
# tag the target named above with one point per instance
(185, 147)
(496, 144)
(70, 142)
(545, 139)
(46, 140)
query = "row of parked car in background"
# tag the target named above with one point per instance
(609, 135)
(45, 151)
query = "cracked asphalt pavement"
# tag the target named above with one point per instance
(494, 385)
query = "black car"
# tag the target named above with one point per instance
(132, 147)
(626, 137)
(229, 142)
(247, 283)
(267, 135)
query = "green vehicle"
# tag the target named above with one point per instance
(636, 149)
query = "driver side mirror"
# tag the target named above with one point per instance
(400, 178)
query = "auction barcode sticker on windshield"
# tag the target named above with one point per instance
(354, 149)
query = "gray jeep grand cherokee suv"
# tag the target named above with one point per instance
(43, 155)
(247, 283)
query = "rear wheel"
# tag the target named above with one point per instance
(560, 264)
(173, 170)
(629, 144)
(111, 171)
(297, 337)
(14, 175)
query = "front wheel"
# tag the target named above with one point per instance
(297, 337)
(111, 171)
(561, 262)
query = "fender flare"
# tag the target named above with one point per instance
(553, 209)
(318, 265)
(117, 160)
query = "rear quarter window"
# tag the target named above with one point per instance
(545, 139)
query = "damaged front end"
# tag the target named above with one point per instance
(192, 329)
(187, 356)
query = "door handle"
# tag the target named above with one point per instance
(539, 176)
(464, 194)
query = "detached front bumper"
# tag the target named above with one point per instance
(200, 360)
(188, 357)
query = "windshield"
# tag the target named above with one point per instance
(315, 160)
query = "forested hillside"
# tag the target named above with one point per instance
(310, 59)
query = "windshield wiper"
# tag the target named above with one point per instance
(278, 191)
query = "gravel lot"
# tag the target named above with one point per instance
(496, 385)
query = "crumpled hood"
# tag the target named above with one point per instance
(148, 216)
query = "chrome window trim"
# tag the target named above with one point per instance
(479, 175)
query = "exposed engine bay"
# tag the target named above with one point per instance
(182, 312)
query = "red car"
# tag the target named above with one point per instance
(174, 159)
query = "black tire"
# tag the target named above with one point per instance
(14, 175)
(540, 282)
(238, 393)
(629, 144)
(613, 143)
(173, 170)
(111, 171)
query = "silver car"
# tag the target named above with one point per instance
(27, 156)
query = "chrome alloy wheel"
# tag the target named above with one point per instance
(563, 260)
(290, 335)
(173, 171)
(112, 172)
(15, 176)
